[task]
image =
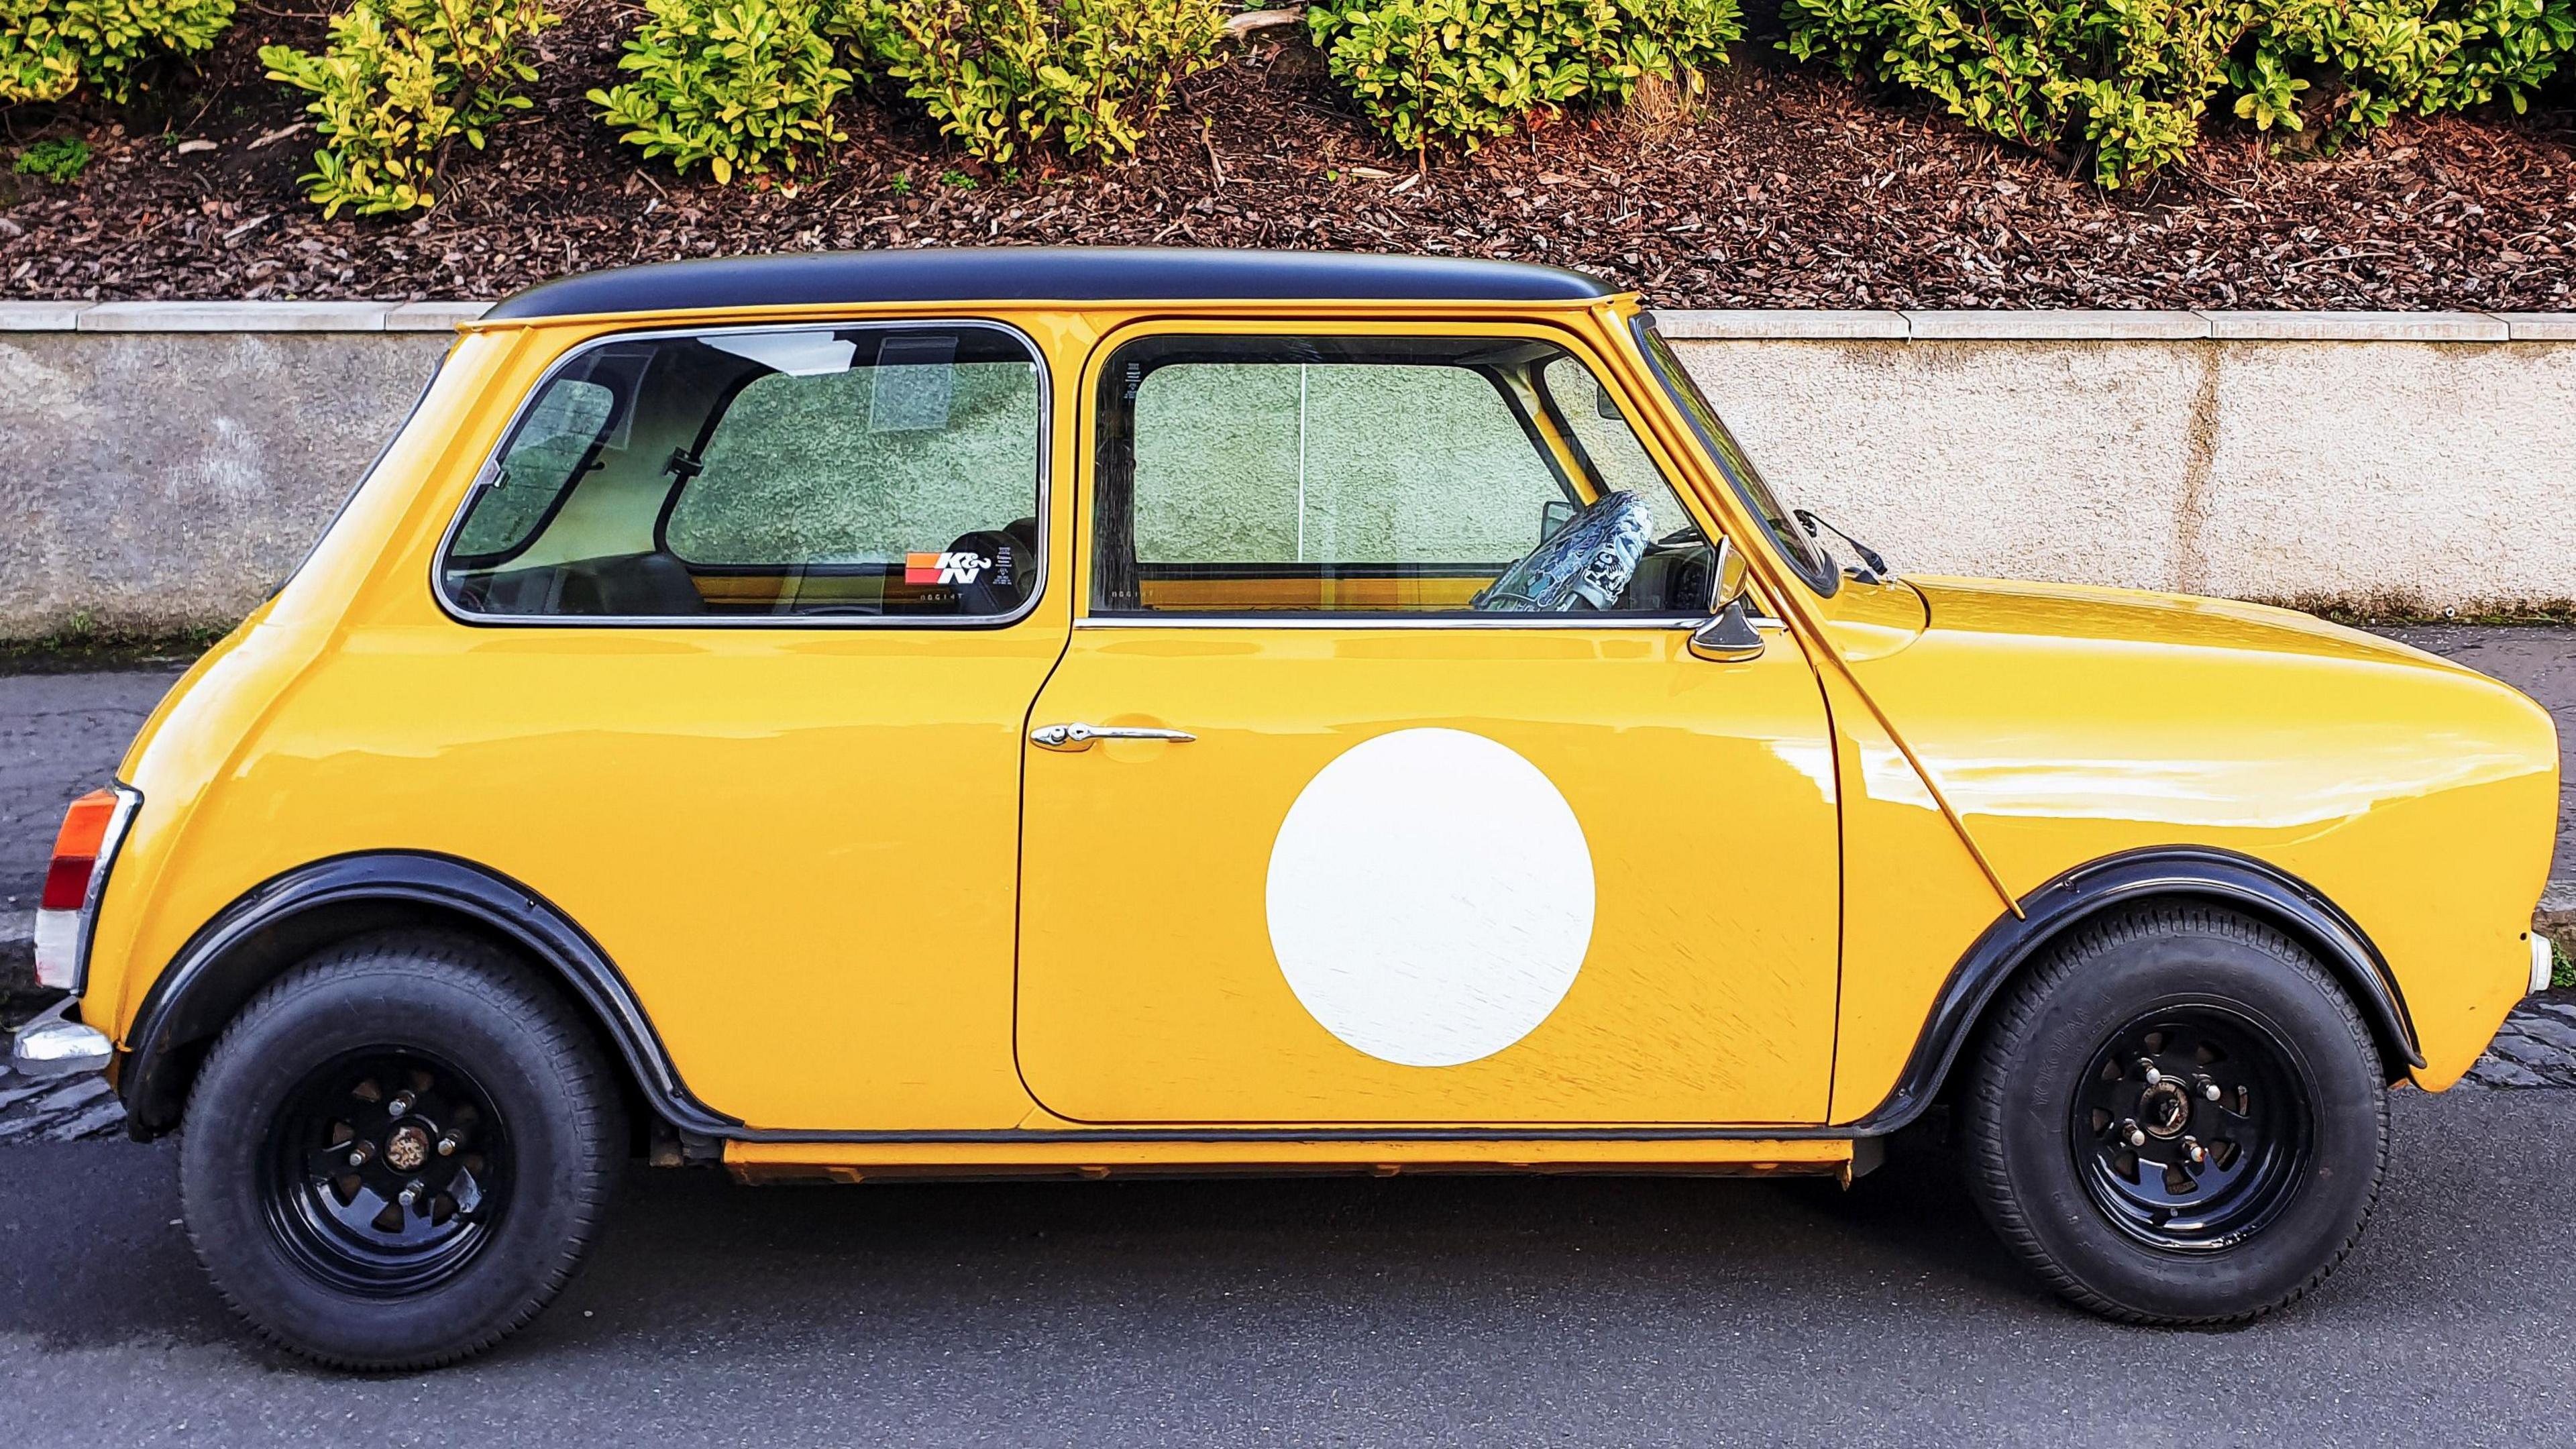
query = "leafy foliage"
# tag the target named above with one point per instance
(1008, 76)
(401, 83)
(58, 160)
(738, 84)
(1463, 70)
(50, 48)
(2362, 64)
(2128, 82)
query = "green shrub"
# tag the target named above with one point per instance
(2128, 82)
(1463, 70)
(49, 48)
(58, 160)
(2329, 70)
(2126, 79)
(1008, 76)
(737, 84)
(402, 82)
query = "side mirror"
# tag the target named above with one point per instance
(1554, 514)
(1729, 636)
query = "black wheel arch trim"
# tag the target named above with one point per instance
(189, 1000)
(2194, 873)
(195, 993)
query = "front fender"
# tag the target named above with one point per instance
(2216, 877)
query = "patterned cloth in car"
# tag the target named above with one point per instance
(1591, 559)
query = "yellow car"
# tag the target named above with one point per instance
(1118, 712)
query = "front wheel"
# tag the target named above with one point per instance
(2177, 1118)
(399, 1152)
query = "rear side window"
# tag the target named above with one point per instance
(545, 455)
(862, 472)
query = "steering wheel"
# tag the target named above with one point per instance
(1588, 561)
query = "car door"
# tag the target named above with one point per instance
(1321, 827)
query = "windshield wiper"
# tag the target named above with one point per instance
(1874, 569)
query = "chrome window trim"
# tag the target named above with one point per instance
(1326, 619)
(1045, 496)
(1431, 621)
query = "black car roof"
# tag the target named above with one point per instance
(1066, 274)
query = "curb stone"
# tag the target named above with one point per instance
(1769, 324)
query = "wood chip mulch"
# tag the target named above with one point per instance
(1787, 188)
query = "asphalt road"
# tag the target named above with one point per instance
(1340, 1311)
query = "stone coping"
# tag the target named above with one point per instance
(1865, 325)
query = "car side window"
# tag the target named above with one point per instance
(1376, 475)
(890, 472)
(549, 449)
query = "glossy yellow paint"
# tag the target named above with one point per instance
(736, 814)
(1693, 1005)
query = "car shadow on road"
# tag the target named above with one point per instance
(1141, 1272)
(96, 1255)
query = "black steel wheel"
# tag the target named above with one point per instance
(2177, 1116)
(399, 1151)
(2192, 1127)
(390, 1170)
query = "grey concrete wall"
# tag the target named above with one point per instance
(2394, 476)
(158, 480)
(164, 465)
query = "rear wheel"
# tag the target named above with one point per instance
(2177, 1117)
(399, 1152)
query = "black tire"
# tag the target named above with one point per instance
(2094, 1206)
(490, 1104)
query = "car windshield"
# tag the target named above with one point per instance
(1794, 542)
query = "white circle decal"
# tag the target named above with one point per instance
(1430, 897)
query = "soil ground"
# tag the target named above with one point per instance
(1786, 187)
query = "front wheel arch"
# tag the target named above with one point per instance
(2179, 876)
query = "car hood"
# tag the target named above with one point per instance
(2076, 612)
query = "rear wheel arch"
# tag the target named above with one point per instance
(285, 920)
(2119, 883)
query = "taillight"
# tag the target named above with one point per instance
(83, 850)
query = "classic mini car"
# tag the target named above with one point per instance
(1118, 712)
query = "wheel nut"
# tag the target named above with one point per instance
(360, 1151)
(447, 1145)
(2209, 1089)
(2146, 1067)
(2132, 1133)
(399, 1105)
(2192, 1149)
(411, 1192)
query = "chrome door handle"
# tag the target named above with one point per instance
(1070, 737)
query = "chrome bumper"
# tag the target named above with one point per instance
(49, 1046)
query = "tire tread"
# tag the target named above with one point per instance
(517, 990)
(1983, 1153)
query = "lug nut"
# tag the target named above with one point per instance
(447, 1145)
(2209, 1089)
(411, 1192)
(360, 1151)
(399, 1105)
(2131, 1133)
(2192, 1149)
(2145, 1065)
